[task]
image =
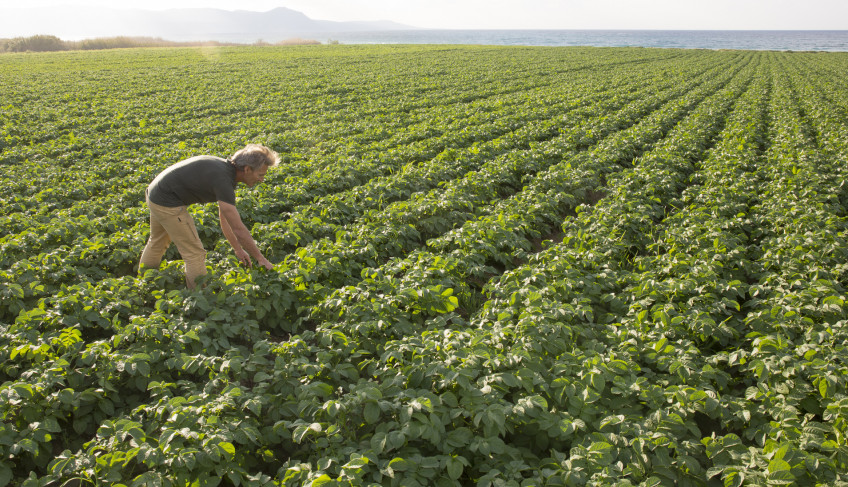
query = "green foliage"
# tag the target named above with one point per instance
(492, 266)
(46, 43)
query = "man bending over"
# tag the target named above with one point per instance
(203, 179)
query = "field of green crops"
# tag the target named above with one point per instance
(494, 266)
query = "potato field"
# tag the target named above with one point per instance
(493, 266)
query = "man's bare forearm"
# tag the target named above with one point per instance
(247, 243)
(228, 233)
(241, 234)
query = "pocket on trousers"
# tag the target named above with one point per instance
(182, 215)
(187, 222)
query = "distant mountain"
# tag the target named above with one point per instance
(70, 22)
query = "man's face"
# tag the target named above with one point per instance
(252, 177)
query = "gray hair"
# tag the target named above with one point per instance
(255, 156)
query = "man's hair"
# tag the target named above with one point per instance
(255, 156)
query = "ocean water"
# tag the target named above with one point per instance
(786, 40)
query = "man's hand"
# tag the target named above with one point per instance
(239, 237)
(244, 258)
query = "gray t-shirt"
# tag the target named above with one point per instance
(201, 179)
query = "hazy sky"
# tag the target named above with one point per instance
(532, 14)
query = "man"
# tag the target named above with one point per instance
(203, 179)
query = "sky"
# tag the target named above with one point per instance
(531, 14)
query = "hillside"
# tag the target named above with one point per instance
(76, 22)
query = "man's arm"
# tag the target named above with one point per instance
(241, 254)
(238, 235)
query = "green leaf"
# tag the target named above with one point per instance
(396, 439)
(31, 481)
(166, 437)
(143, 368)
(332, 407)
(356, 463)
(25, 391)
(106, 406)
(137, 433)
(52, 424)
(323, 480)
(255, 406)
(378, 442)
(734, 479)
(823, 387)
(781, 477)
(321, 389)
(597, 381)
(450, 400)
(399, 464)
(228, 449)
(778, 465)
(371, 412)
(28, 445)
(713, 471)
(454, 468)
(5, 474)
(300, 432)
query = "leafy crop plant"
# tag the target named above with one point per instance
(493, 266)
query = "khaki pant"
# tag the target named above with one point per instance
(174, 225)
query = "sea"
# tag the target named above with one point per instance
(760, 40)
